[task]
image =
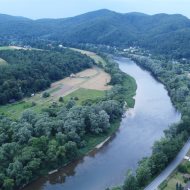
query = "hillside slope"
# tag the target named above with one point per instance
(163, 33)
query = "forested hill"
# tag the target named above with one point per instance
(165, 34)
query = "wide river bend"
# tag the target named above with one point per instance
(142, 126)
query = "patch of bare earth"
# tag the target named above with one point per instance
(94, 78)
(99, 82)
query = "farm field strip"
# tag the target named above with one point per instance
(92, 55)
(95, 79)
(86, 84)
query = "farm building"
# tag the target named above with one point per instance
(72, 75)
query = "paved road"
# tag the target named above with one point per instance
(157, 181)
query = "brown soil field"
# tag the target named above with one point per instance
(94, 78)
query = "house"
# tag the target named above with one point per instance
(60, 46)
(72, 75)
(187, 187)
(186, 158)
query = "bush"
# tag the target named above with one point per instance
(45, 95)
(182, 168)
(76, 98)
(33, 104)
(61, 99)
(163, 185)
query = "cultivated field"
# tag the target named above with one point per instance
(16, 48)
(94, 79)
(88, 84)
(10, 47)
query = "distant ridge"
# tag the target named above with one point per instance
(162, 33)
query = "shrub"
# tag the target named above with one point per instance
(61, 99)
(46, 95)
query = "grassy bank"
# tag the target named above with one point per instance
(83, 95)
(166, 149)
(131, 86)
(94, 140)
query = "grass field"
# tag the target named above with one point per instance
(10, 47)
(88, 84)
(5, 48)
(94, 79)
(15, 110)
(92, 55)
(171, 183)
(16, 48)
(85, 94)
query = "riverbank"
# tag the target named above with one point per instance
(93, 141)
(130, 143)
(172, 142)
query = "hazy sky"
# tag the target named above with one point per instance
(66, 8)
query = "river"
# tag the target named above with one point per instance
(142, 126)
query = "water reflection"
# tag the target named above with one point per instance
(144, 124)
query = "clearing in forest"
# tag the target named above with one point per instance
(88, 84)
(94, 79)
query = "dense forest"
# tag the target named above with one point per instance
(174, 76)
(160, 33)
(30, 71)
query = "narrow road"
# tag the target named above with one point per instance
(165, 174)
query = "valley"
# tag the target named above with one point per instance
(133, 140)
(95, 101)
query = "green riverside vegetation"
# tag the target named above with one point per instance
(38, 142)
(175, 76)
(65, 130)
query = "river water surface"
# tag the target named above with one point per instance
(152, 114)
